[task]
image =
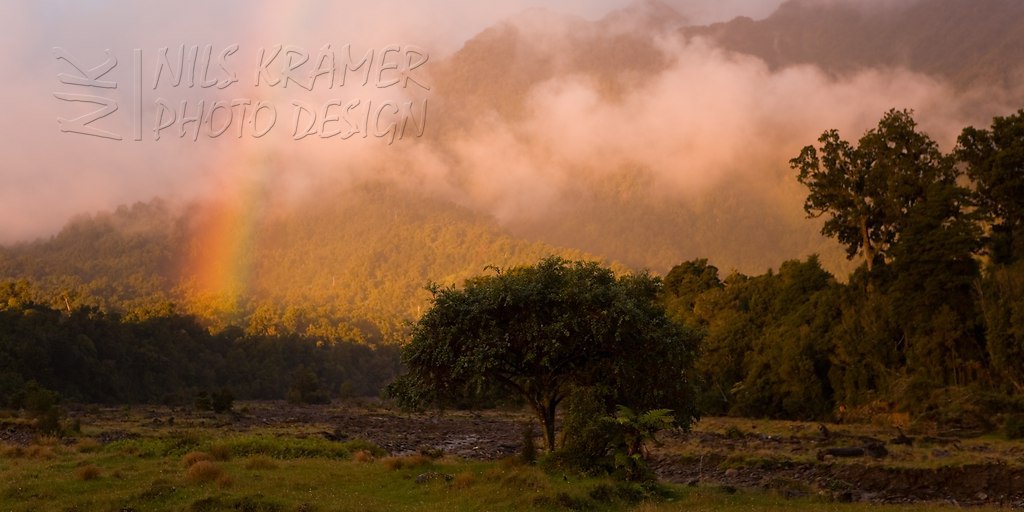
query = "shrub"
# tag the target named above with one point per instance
(48, 421)
(203, 471)
(203, 401)
(529, 449)
(306, 389)
(734, 433)
(222, 401)
(586, 436)
(1013, 427)
(35, 399)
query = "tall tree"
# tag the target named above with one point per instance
(994, 160)
(867, 191)
(539, 331)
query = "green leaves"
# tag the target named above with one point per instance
(994, 160)
(866, 192)
(535, 331)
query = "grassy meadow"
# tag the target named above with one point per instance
(121, 462)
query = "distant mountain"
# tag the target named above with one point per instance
(354, 267)
(967, 42)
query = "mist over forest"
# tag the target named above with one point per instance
(641, 136)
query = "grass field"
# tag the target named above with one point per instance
(199, 465)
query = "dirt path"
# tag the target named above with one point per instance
(475, 435)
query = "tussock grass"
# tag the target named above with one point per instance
(220, 451)
(294, 448)
(363, 456)
(258, 462)
(191, 458)
(224, 481)
(406, 462)
(87, 445)
(520, 478)
(463, 480)
(40, 452)
(87, 472)
(203, 471)
(51, 441)
(8, 451)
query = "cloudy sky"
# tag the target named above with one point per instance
(49, 176)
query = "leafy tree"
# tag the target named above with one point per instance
(994, 160)
(684, 283)
(538, 331)
(306, 389)
(867, 191)
(868, 345)
(934, 275)
(1003, 309)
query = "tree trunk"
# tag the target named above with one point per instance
(869, 251)
(546, 414)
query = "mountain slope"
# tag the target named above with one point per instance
(355, 266)
(968, 42)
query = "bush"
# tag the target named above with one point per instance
(306, 389)
(41, 405)
(595, 442)
(203, 401)
(529, 450)
(585, 434)
(222, 401)
(1013, 427)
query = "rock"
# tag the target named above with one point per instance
(731, 473)
(431, 451)
(843, 496)
(841, 452)
(902, 438)
(876, 450)
(433, 476)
